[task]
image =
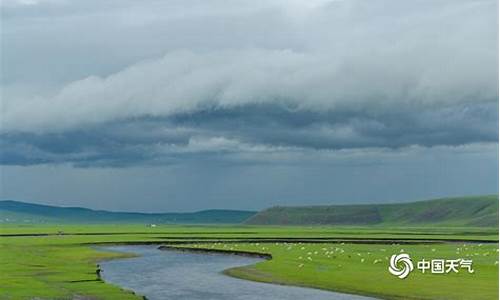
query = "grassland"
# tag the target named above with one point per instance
(475, 211)
(362, 269)
(59, 262)
(31, 213)
(457, 211)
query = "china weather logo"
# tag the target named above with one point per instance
(400, 265)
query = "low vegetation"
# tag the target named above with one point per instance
(463, 211)
(362, 269)
(29, 213)
(59, 262)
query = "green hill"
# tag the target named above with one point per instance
(479, 211)
(22, 212)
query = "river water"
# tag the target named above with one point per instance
(164, 275)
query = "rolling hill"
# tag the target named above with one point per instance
(481, 211)
(22, 212)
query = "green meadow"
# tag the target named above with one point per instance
(60, 262)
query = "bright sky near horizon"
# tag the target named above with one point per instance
(184, 105)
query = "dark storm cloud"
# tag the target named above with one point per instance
(245, 81)
(257, 129)
(247, 104)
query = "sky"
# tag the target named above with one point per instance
(194, 104)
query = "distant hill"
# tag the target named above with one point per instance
(22, 212)
(479, 211)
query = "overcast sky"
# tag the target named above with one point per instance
(195, 104)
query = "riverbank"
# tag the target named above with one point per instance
(63, 266)
(193, 275)
(341, 267)
(217, 251)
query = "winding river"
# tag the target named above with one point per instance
(163, 275)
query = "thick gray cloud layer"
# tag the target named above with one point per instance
(270, 77)
(189, 104)
(252, 133)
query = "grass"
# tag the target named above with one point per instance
(458, 211)
(16, 211)
(64, 266)
(362, 269)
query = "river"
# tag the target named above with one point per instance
(164, 275)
